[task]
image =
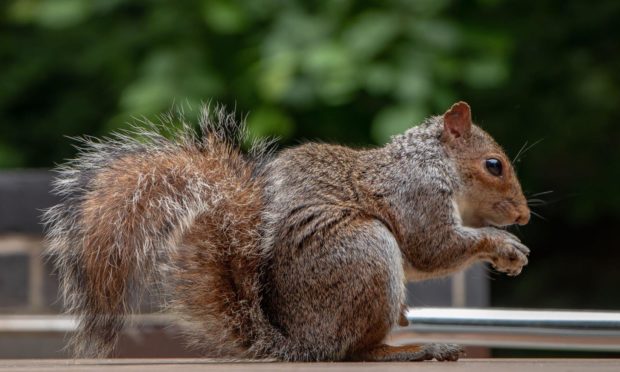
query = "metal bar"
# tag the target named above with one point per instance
(561, 330)
(68, 323)
(537, 329)
(516, 318)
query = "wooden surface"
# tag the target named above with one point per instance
(189, 365)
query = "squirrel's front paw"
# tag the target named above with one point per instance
(506, 253)
(510, 256)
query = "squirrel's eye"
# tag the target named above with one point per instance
(494, 166)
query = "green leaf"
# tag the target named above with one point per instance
(485, 72)
(426, 7)
(332, 68)
(277, 74)
(395, 120)
(226, 17)
(51, 13)
(270, 122)
(380, 78)
(10, 157)
(413, 85)
(437, 33)
(370, 33)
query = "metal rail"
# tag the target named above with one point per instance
(68, 323)
(503, 328)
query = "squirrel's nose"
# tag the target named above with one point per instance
(523, 217)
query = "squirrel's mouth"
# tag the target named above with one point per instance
(472, 217)
(496, 225)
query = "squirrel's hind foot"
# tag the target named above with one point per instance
(412, 353)
(444, 352)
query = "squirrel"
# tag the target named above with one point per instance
(297, 255)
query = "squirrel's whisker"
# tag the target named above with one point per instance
(519, 153)
(536, 202)
(542, 193)
(526, 149)
(538, 215)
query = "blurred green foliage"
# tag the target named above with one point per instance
(346, 71)
(95, 64)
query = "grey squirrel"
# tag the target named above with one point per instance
(297, 256)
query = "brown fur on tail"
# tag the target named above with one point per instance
(219, 279)
(183, 212)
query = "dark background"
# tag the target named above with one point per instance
(353, 72)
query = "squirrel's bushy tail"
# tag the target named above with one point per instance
(140, 208)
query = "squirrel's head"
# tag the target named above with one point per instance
(491, 194)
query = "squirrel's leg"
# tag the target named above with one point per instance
(402, 320)
(342, 296)
(455, 247)
(411, 353)
(442, 245)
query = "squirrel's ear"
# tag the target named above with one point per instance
(457, 120)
